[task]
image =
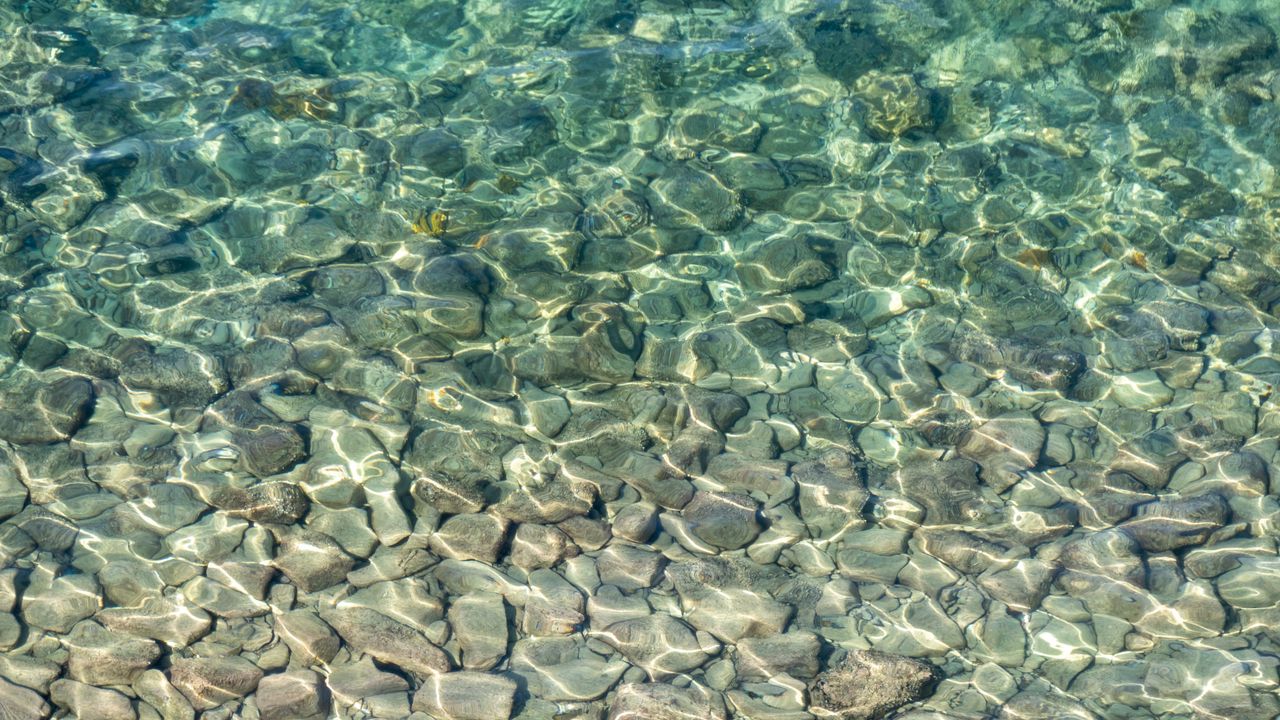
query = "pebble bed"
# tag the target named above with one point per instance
(639, 359)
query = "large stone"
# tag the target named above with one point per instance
(87, 701)
(34, 410)
(312, 560)
(99, 657)
(211, 681)
(466, 695)
(725, 520)
(831, 494)
(20, 703)
(479, 622)
(311, 641)
(1004, 446)
(1169, 524)
(657, 701)
(176, 623)
(473, 536)
(294, 695)
(386, 640)
(794, 653)
(660, 644)
(563, 670)
(869, 684)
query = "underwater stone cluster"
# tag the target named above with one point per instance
(638, 359)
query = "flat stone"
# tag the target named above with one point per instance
(1004, 446)
(57, 603)
(1140, 390)
(479, 622)
(155, 689)
(1253, 585)
(794, 653)
(97, 656)
(538, 546)
(629, 567)
(636, 522)
(170, 621)
(385, 639)
(208, 682)
(222, 600)
(553, 607)
(734, 614)
(725, 520)
(466, 695)
(311, 641)
(312, 560)
(1168, 524)
(868, 684)
(660, 701)
(294, 695)
(471, 536)
(87, 701)
(362, 679)
(563, 670)
(20, 703)
(660, 644)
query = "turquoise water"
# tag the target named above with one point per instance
(640, 360)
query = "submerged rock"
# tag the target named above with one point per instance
(867, 684)
(654, 701)
(209, 682)
(466, 696)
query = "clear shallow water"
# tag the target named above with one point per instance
(639, 360)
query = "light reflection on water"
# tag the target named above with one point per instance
(849, 359)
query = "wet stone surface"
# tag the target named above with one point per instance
(643, 359)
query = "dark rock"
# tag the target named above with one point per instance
(783, 264)
(179, 377)
(1027, 362)
(435, 149)
(689, 197)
